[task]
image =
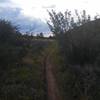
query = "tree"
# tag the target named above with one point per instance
(40, 35)
(60, 23)
(79, 45)
(9, 39)
(7, 31)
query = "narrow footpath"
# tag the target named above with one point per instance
(53, 91)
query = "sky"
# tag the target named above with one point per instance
(32, 14)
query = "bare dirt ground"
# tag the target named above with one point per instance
(53, 91)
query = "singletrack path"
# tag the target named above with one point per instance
(53, 90)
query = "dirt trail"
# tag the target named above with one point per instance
(53, 91)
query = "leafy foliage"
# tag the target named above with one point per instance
(21, 74)
(60, 23)
(79, 45)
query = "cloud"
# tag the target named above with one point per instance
(25, 23)
(9, 13)
(50, 6)
(2, 1)
(7, 3)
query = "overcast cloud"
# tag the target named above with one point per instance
(4, 0)
(25, 23)
(27, 13)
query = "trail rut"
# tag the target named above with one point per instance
(53, 91)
